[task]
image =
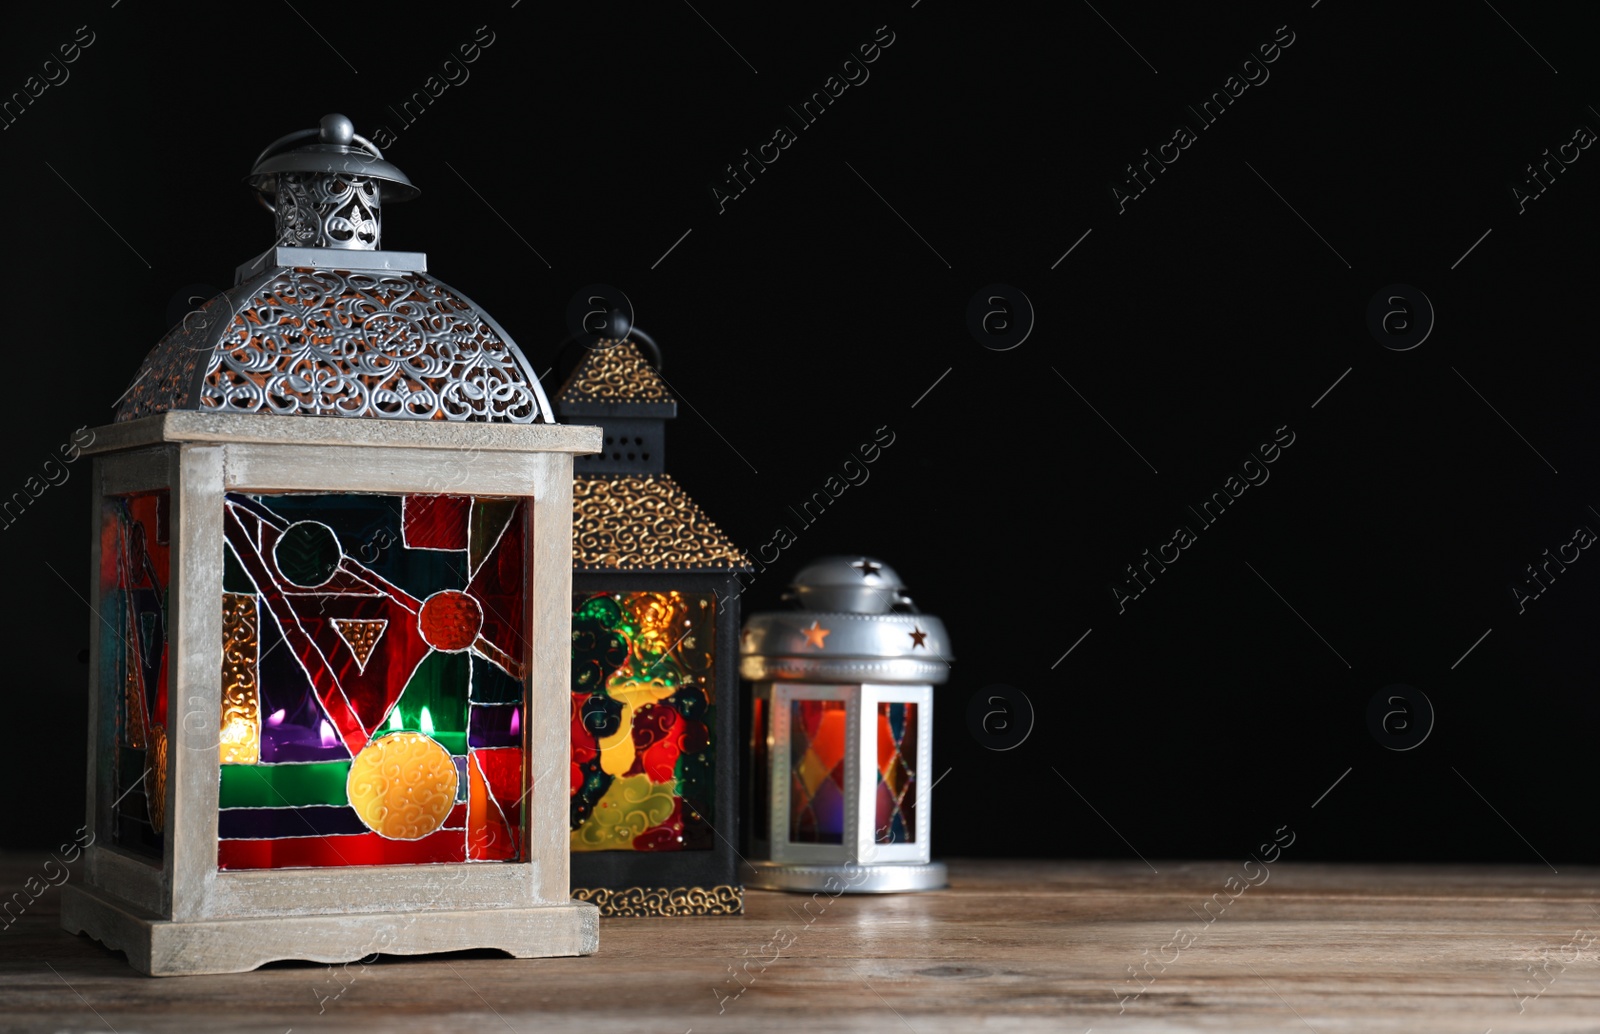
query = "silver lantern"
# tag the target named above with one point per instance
(841, 733)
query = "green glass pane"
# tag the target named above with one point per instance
(284, 786)
(435, 687)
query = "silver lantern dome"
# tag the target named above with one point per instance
(854, 623)
(326, 323)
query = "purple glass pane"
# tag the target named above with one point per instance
(273, 823)
(293, 724)
(495, 725)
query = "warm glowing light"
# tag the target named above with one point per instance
(238, 730)
(394, 720)
(238, 742)
(276, 718)
(329, 739)
(425, 723)
(658, 614)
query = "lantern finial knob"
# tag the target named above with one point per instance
(619, 324)
(337, 129)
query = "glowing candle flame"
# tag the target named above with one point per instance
(328, 737)
(516, 720)
(276, 718)
(425, 723)
(394, 720)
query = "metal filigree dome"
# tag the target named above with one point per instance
(342, 328)
(332, 342)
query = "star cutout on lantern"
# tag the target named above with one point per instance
(867, 567)
(917, 638)
(815, 634)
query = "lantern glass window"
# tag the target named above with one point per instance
(135, 568)
(372, 680)
(896, 793)
(644, 712)
(895, 739)
(845, 764)
(818, 743)
(760, 775)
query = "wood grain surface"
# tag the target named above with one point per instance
(1011, 946)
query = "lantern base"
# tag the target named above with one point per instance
(162, 947)
(883, 878)
(632, 902)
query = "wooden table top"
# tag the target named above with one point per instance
(1011, 946)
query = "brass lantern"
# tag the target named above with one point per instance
(655, 748)
(327, 706)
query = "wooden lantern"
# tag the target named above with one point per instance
(331, 572)
(654, 650)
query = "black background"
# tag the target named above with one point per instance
(809, 315)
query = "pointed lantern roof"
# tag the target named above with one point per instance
(628, 513)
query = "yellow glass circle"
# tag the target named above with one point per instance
(403, 785)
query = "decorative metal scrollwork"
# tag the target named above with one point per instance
(721, 900)
(317, 210)
(339, 343)
(616, 371)
(645, 521)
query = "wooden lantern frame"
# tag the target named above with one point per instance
(184, 915)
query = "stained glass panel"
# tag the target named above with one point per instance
(135, 565)
(360, 633)
(760, 775)
(897, 776)
(817, 744)
(643, 707)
